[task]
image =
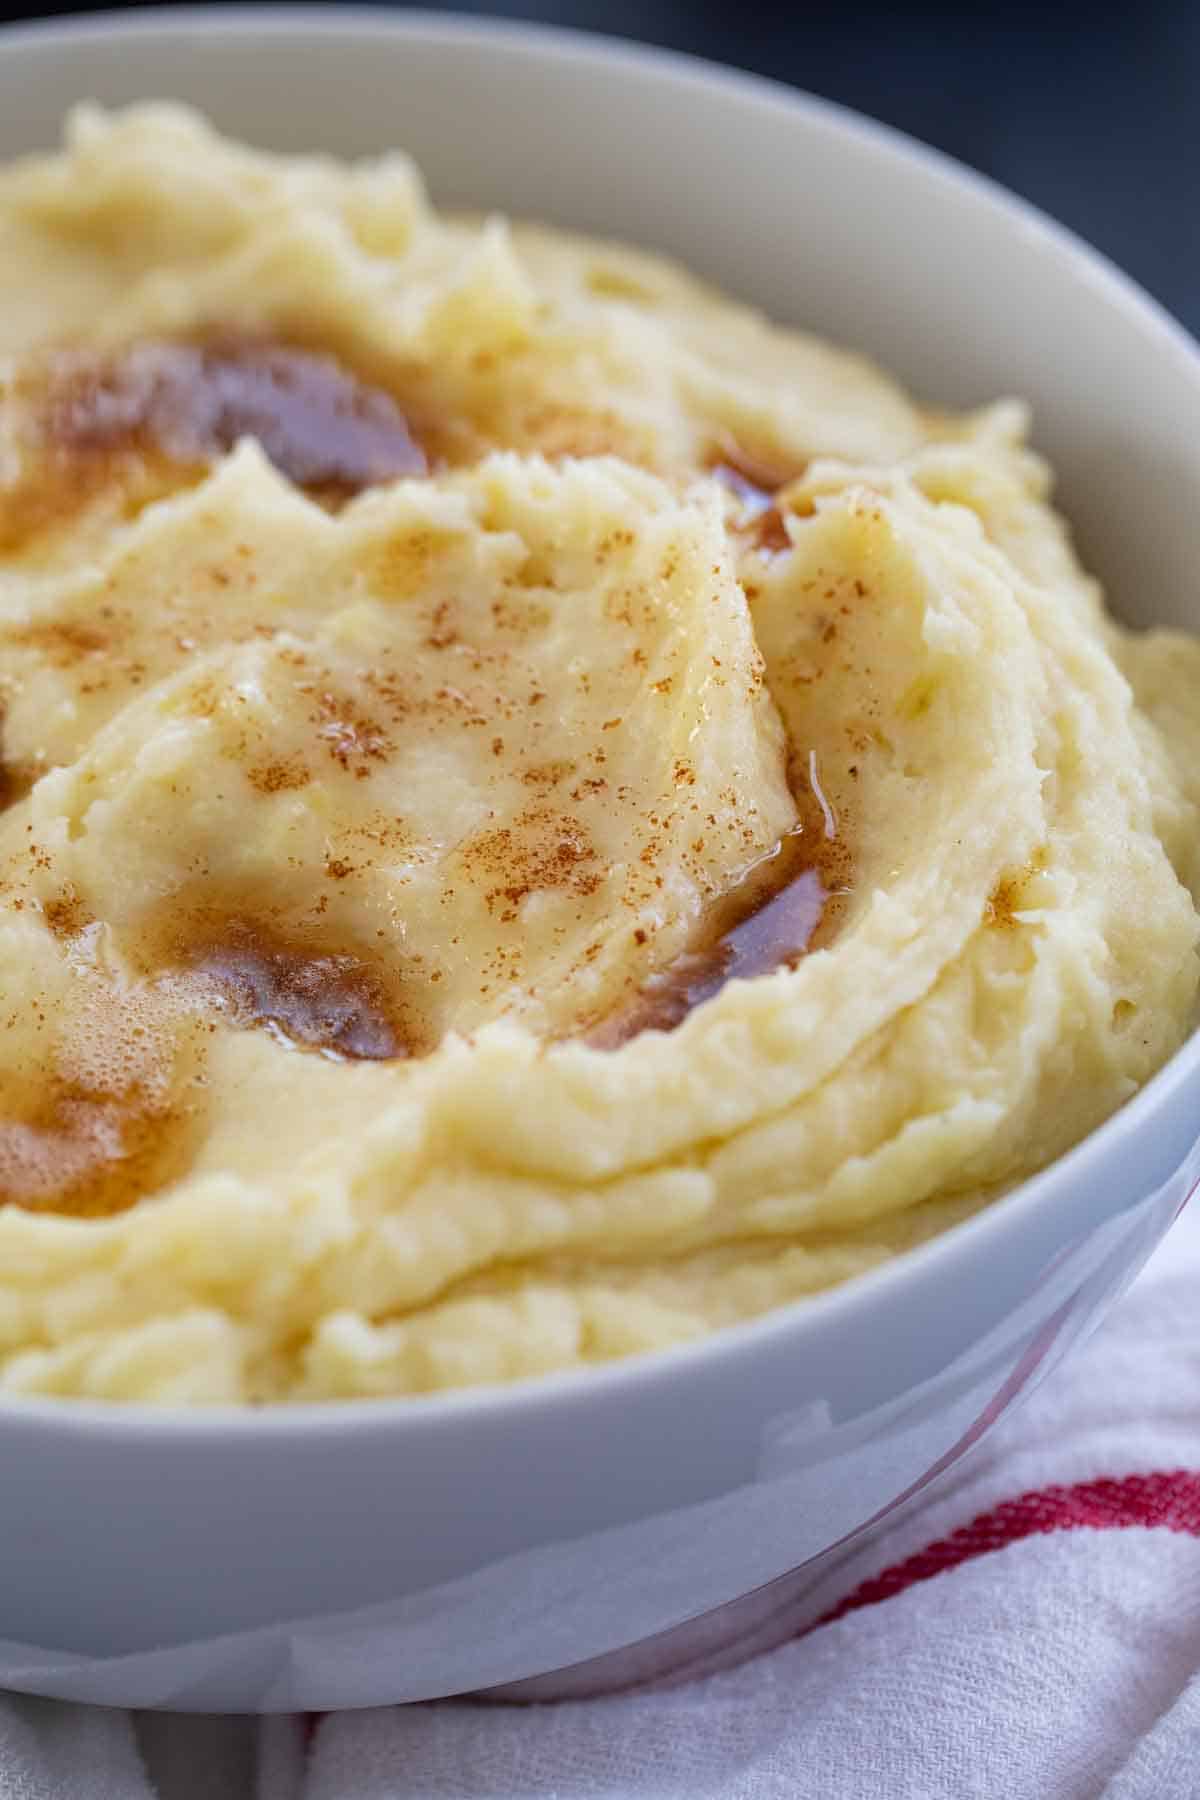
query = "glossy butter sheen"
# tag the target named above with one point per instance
(380, 800)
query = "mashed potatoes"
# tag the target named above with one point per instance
(540, 815)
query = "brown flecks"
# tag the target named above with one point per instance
(497, 746)
(765, 923)
(387, 686)
(65, 642)
(666, 684)
(591, 784)
(351, 737)
(610, 724)
(442, 632)
(520, 617)
(547, 774)
(1002, 903)
(541, 851)
(384, 830)
(333, 1002)
(787, 904)
(1008, 897)
(65, 915)
(337, 869)
(279, 777)
(828, 832)
(203, 700)
(683, 774)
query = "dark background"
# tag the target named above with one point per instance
(1092, 111)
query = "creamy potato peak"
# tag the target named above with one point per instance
(541, 814)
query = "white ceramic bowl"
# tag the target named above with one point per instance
(365, 1553)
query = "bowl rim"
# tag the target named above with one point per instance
(450, 1409)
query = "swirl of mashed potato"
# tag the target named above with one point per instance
(541, 815)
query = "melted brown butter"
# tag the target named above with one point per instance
(114, 1115)
(320, 425)
(787, 904)
(57, 488)
(329, 1003)
(144, 422)
(755, 485)
(16, 778)
(115, 1112)
(87, 1153)
(766, 935)
(257, 969)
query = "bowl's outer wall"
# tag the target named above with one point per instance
(399, 1552)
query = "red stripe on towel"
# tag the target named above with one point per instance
(1168, 1498)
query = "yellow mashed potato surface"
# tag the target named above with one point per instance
(540, 815)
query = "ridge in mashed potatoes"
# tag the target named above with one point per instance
(540, 814)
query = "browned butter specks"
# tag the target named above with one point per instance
(83, 1144)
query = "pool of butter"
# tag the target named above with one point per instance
(412, 631)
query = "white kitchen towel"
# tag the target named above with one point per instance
(1033, 1633)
